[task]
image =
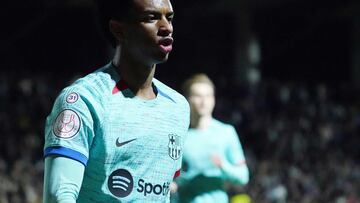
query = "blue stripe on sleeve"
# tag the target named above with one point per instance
(66, 152)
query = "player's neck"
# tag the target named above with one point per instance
(136, 75)
(200, 122)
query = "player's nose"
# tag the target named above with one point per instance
(165, 27)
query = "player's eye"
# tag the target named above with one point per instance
(149, 18)
(170, 17)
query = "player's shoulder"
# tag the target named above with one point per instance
(100, 80)
(95, 84)
(92, 89)
(227, 130)
(222, 125)
(170, 93)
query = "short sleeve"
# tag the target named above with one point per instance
(69, 129)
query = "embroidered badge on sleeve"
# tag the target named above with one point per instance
(67, 124)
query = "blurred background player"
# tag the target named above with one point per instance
(116, 135)
(212, 153)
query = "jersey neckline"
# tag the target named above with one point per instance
(121, 87)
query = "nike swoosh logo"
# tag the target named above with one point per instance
(119, 144)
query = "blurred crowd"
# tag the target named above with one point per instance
(26, 99)
(301, 140)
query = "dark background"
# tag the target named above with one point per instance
(311, 40)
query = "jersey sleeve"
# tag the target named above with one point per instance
(69, 129)
(235, 152)
(235, 168)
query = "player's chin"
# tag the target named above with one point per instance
(161, 58)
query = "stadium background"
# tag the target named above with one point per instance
(287, 74)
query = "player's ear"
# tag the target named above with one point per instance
(117, 29)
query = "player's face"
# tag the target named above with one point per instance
(148, 34)
(201, 99)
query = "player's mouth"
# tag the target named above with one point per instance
(165, 44)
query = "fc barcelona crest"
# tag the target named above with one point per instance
(174, 146)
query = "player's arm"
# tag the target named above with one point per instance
(62, 179)
(69, 132)
(234, 166)
(236, 173)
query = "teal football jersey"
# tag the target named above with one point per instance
(131, 148)
(201, 180)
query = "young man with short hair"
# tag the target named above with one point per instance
(213, 153)
(116, 135)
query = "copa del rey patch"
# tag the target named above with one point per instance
(66, 124)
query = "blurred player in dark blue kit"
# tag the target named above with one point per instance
(116, 135)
